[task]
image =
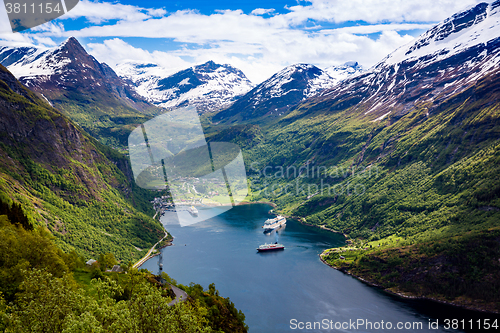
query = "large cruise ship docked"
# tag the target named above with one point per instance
(273, 224)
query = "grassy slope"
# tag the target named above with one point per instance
(69, 182)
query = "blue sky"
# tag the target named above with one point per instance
(259, 37)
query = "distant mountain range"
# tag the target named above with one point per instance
(68, 67)
(207, 87)
(444, 61)
(284, 90)
(70, 79)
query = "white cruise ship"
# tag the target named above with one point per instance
(193, 211)
(273, 224)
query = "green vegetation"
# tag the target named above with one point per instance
(463, 269)
(42, 289)
(101, 114)
(222, 314)
(66, 181)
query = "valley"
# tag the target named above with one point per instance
(402, 158)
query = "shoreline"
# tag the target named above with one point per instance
(150, 254)
(243, 203)
(404, 296)
(302, 221)
(391, 292)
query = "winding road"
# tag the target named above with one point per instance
(180, 295)
(146, 257)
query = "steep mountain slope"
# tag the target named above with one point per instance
(66, 180)
(444, 61)
(207, 87)
(404, 160)
(284, 90)
(85, 90)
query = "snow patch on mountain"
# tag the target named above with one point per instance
(444, 61)
(345, 71)
(314, 80)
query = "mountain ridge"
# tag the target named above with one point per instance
(393, 88)
(277, 95)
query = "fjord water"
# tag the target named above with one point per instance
(274, 288)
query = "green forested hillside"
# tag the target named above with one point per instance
(420, 177)
(68, 182)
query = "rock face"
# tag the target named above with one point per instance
(444, 61)
(207, 87)
(285, 89)
(42, 135)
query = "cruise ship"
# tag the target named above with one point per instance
(270, 247)
(193, 211)
(273, 224)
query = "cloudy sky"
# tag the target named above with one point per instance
(259, 37)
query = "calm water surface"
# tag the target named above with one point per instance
(274, 288)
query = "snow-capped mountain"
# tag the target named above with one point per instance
(466, 29)
(304, 78)
(345, 71)
(85, 90)
(55, 72)
(208, 87)
(444, 61)
(285, 89)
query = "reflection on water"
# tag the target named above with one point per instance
(273, 288)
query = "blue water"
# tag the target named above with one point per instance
(274, 289)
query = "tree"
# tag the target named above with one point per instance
(3, 313)
(44, 302)
(107, 261)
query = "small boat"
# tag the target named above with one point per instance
(193, 211)
(270, 247)
(273, 224)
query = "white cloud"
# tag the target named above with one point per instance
(115, 51)
(156, 12)
(45, 41)
(374, 28)
(262, 11)
(98, 12)
(376, 11)
(53, 29)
